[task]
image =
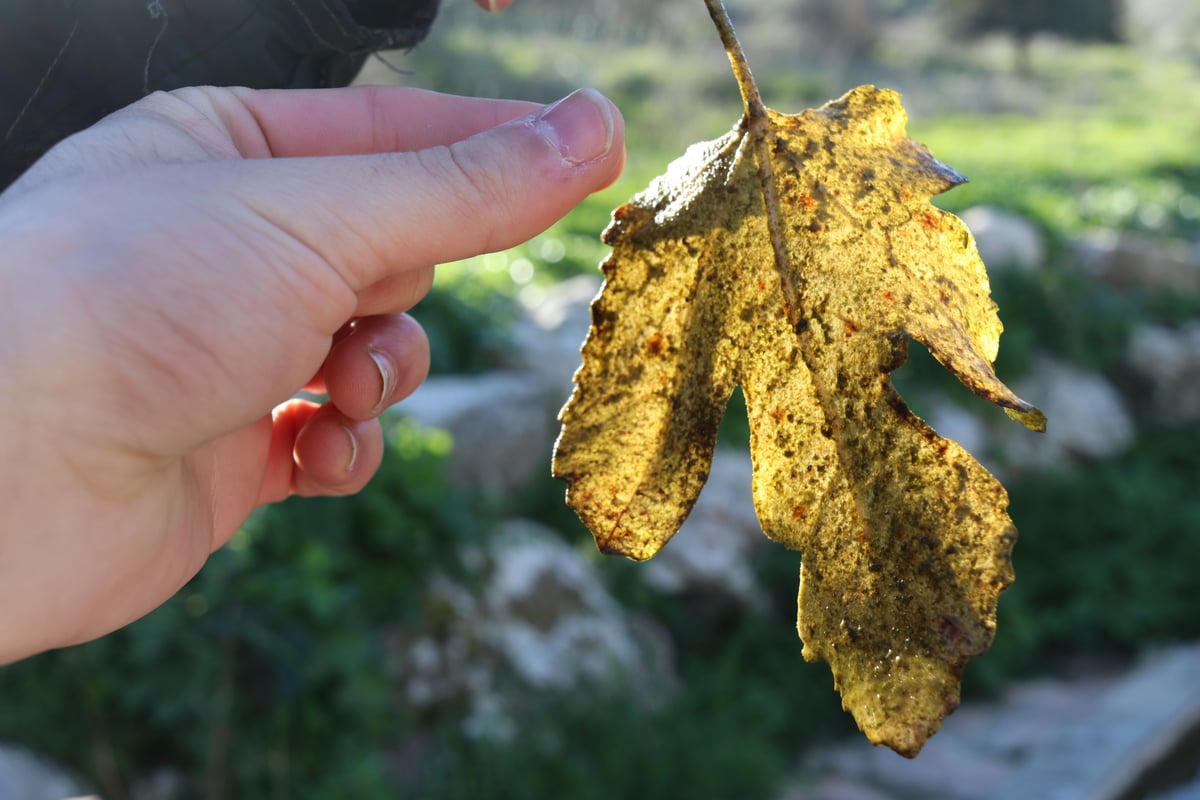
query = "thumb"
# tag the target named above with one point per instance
(372, 216)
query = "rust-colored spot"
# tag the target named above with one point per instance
(779, 413)
(806, 201)
(851, 327)
(799, 512)
(930, 221)
(656, 345)
(889, 295)
(950, 630)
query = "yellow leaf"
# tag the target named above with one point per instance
(795, 256)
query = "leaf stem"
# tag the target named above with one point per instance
(751, 98)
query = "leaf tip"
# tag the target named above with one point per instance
(1029, 416)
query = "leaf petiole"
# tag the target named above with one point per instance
(751, 98)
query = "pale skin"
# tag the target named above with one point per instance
(175, 275)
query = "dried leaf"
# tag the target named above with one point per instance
(795, 257)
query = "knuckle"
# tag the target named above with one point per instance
(477, 188)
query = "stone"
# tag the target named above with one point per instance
(711, 554)
(1005, 240)
(555, 623)
(1096, 736)
(1087, 418)
(24, 775)
(1131, 261)
(1168, 361)
(1128, 731)
(548, 339)
(534, 620)
(952, 421)
(503, 425)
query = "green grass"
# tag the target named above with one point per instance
(1103, 170)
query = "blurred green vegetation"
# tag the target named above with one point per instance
(270, 674)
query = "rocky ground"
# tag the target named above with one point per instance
(1113, 735)
(1108, 736)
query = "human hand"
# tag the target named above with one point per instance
(173, 275)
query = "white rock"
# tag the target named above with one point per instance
(1085, 737)
(553, 619)
(712, 551)
(1128, 260)
(503, 425)
(1168, 360)
(952, 421)
(27, 776)
(1005, 239)
(539, 620)
(547, 341)
(1087, 417)
(564, 306)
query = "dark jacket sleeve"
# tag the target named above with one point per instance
(64, 64)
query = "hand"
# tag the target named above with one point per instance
(172, 276)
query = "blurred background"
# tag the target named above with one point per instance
(452, 633)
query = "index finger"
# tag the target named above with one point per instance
(359, 120)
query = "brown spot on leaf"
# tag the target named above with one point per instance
(656, 345)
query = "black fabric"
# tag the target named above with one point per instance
(64, 64)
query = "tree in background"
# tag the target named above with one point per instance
(1081, 20)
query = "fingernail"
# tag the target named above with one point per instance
(353, 448)
(495, 6)
(387, 375)
(580, 126)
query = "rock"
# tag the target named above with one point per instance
(711, 553)
(1129, 736)
(1129, 261)
(1168, 360)
(1087, 418)
(1086, 737)
(503, 425)
(555, 623)
(952, 421)
(547, 341)
(536, 620)
(27, 776)
(1005, 239)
